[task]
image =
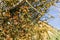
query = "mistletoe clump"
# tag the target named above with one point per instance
(20, 20)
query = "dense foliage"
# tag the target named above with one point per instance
(20, 20)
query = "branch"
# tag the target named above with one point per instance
(32, 6)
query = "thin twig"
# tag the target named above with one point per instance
(32, 6)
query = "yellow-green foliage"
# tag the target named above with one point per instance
(20, 20)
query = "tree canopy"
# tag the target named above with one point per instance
(20, 20)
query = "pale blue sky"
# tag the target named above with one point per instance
(54, 11)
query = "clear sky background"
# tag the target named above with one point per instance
(55, 12)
